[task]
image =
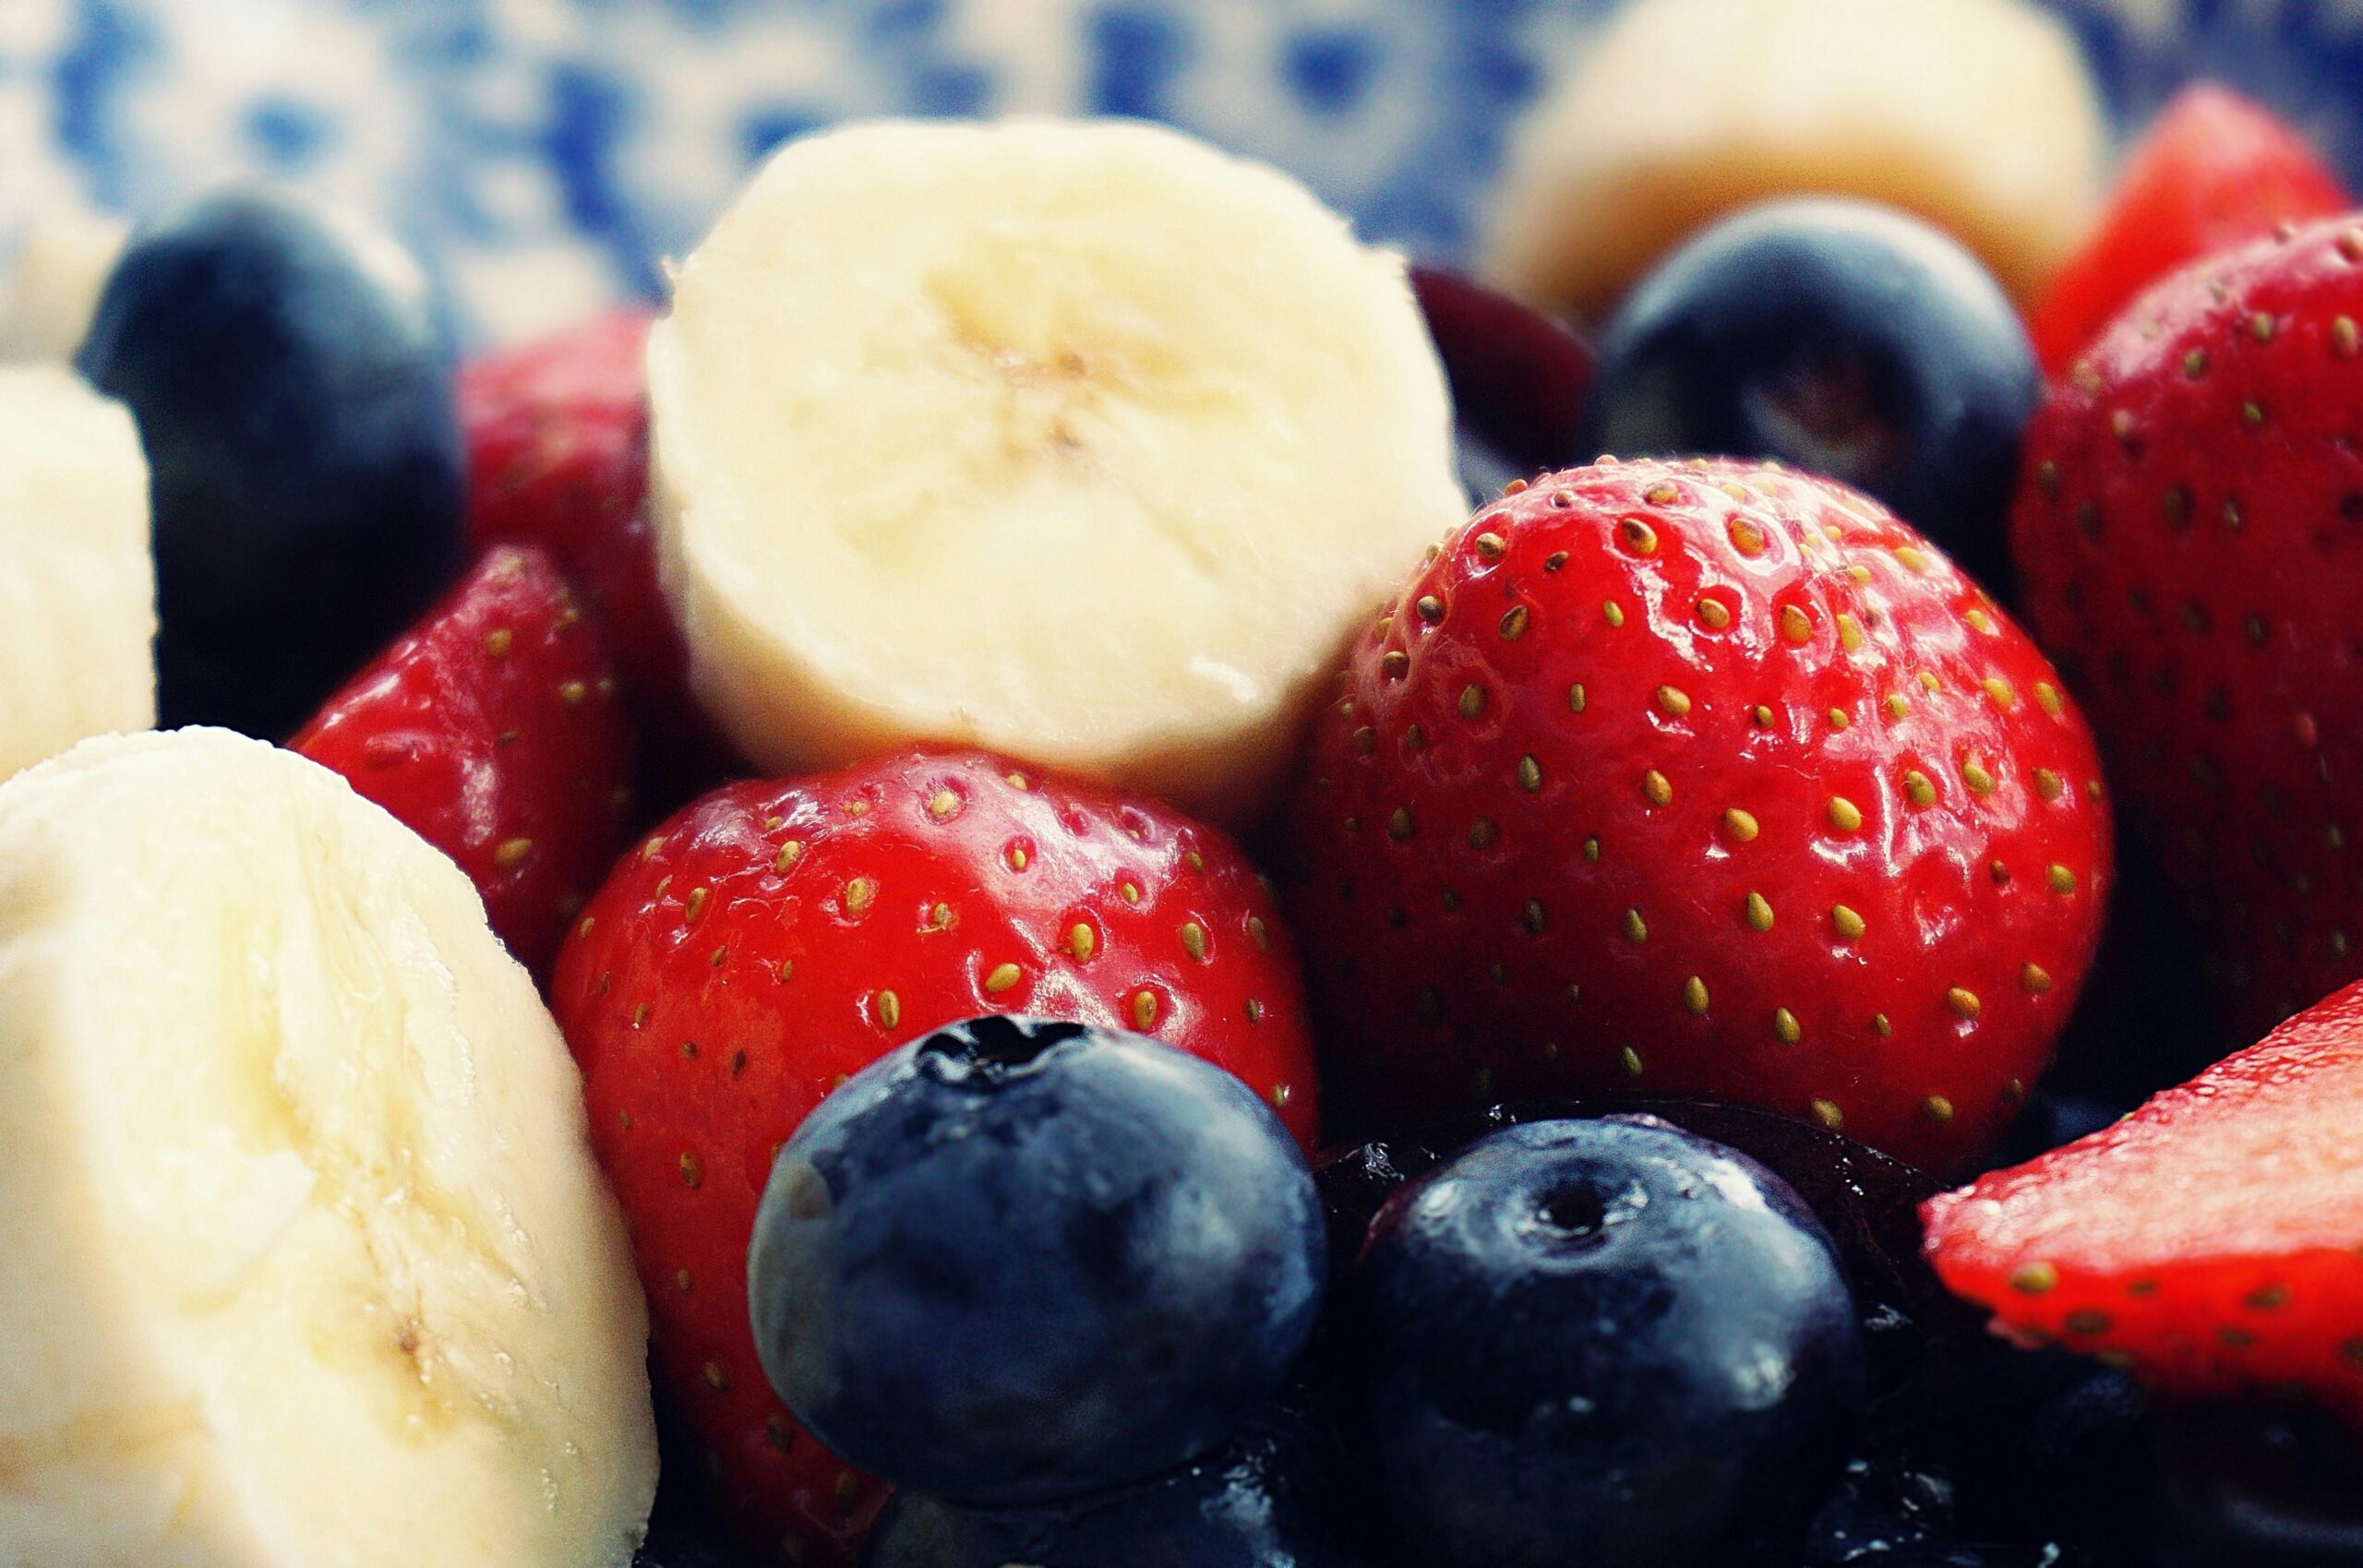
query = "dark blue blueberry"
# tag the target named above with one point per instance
(2261, 1489)
(1018, 1262)
(1841, 338)
(292, 385)
(1273, 1497)
(1603, 1342)
(671, 1548)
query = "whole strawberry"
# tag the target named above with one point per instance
(1701, 777)
(2212, 1241)
(773, 939)
(558, 456)
(493, 730)
(2188, 528)
(2212, 172)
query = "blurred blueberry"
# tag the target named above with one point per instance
(292, 388)
(1841, 338)
(1273, 1497)
(1018, 1262)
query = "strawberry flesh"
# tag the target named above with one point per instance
(2212, 1241)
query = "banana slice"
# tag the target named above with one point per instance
(304, 1261)
(1079, 440)
(52, 285)
(1980, 116)
(78, 585)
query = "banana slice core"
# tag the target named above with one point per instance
(1082, 440)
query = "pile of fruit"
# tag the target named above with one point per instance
(1057, 877)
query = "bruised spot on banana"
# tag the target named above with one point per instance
(1081, 441)
(78, 585)
(304, 1257)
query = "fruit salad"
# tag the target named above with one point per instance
(1068, 870)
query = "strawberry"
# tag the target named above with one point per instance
(493, 730)
(2213, 1240)
(775, 937)
(558, 456)
(1701, 777)
(2213, 171)
(2187, 526)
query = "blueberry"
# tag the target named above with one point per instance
(1841, 338)
(1273, 1497)
(1019, 1261)
(2258, 1488)
(670, 1547)
(293, 386)
(1603, 1342)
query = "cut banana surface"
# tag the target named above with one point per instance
(1980, 116)
(1081, 441)
(304, 1261)
(51, 285)
(78, 585)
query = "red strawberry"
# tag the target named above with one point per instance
(492, 729)
(2213, 171)
(1701, 777)
(775, 937)
(2213, 1240)
(2187, 529)
(557, 457)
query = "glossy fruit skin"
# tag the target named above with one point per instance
(1944, 1454)
(1560, 1326)
(1841, 338)
(696, 1070)
(1019, 1261)
(557, 457)
(494, 730)
(292, 385)
(2206, 1241)
(2212, 172)
(2186, 528)
(1515, 864)
(1277, 1495)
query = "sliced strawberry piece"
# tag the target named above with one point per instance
(2213, 1240)
(2213, 171)
(775, 937)
(2187, 529)
(494, 731)
(1701, 778)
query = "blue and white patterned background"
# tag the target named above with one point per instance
(543, 153)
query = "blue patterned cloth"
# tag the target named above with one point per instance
(542, 154)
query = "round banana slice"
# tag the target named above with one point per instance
(303, 1260)
(1079, 440)
(78, 595)
(53, 282)
(1980, 116)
